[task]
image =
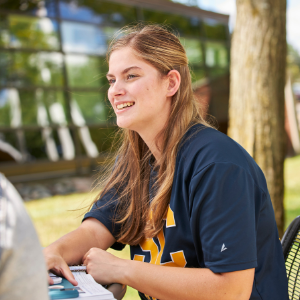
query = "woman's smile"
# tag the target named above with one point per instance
(123, 106)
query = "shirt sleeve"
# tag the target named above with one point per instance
(104, 210)
(224, 202)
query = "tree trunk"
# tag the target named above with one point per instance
(256, 106)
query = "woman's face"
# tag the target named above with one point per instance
(138, 93)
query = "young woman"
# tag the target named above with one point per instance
(191, 203)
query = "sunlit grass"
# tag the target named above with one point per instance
(292, 189)
(53, 217)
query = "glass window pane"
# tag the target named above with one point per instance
(35, 145)
(184, 25)
(97, 12)
(4, 32)
(11, 139)
(5, 67)
(34, 33)
(93, 107)
(40, 8)
(35, 69)
(84, 71)
(5, 109)
(215, 30)
(103, 138)
(83, 38)
(19, 107)
(216, 55)
(193, 50)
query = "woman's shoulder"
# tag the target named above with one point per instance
(204, 146)
(200, 139)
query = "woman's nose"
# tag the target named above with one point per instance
(117, 88)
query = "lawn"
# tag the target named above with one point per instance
(55, 216)
(292, 189)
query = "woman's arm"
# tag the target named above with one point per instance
(166, 283)
(71, 248)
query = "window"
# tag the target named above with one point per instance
(33, 33)
(97, 12)
(83, 38)
(92, 106)
(40, 8)
(28, 69)
(216, 55)
(185, 26)
(193, 50)
(215, 30)
(85, 71)
(52, 69)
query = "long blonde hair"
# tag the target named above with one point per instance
(130, 173)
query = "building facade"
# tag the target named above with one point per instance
(55, 118)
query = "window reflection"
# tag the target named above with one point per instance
(38, 8)
(5, 109)
(4, 32)
(35, 145)
(11, 141)
(215, 30)
(83, 38)
(193, 50)
(93, 107)
(216, 55)
(184, 25)
(103, 138)
(97, 12)
(40, 68)
(18, 107)
(36, 62)
(5, 67)
(34, 33)
(84, 71)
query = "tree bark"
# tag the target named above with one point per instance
(256, 105)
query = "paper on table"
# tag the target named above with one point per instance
(90, 287)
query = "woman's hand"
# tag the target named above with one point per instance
(57, 265)
(104, 267)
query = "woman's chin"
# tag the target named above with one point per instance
(124, 124)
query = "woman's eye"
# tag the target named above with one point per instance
(130, 76)
(111, 81)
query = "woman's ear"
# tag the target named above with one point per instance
(174, 79)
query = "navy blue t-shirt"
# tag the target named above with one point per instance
(220, 215)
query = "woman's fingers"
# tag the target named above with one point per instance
(69, 276)
(92, 254)
(60, 268)
(50, 280)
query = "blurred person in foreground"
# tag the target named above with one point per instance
(23, 274)
(191, 203)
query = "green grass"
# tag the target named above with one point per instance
(292, 189)
(53, 217)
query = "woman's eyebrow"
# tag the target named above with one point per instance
(124, 71)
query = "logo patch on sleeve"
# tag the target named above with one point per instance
(223, 248)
